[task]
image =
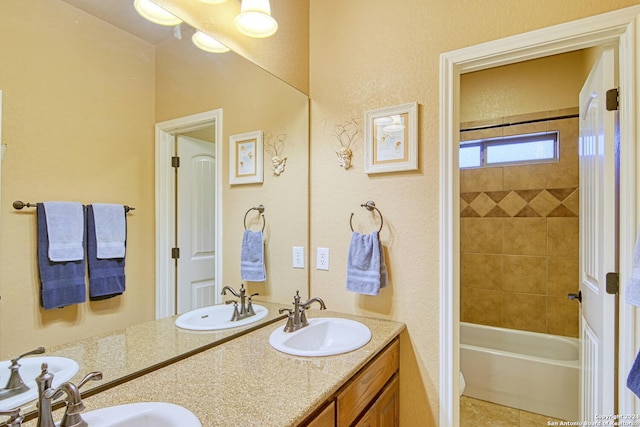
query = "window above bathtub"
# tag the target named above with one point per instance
(513, 150)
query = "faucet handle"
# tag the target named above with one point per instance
(39, 350)
(91, 376)
(15, 419)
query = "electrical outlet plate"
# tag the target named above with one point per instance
(298, 257)
(322, 262)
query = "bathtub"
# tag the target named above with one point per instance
(526, 370)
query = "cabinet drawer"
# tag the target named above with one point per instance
(326, 418)
(360, 392)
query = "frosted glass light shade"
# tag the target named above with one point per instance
(154, 13)
(208, 43)
(255, 19)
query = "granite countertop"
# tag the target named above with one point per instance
(246, 382)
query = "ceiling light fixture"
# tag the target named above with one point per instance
(212, 1)
(255, 19)
(208, 43)
(154, 13)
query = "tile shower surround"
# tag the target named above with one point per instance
(519, 234)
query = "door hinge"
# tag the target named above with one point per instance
(613, 99)
(175, 162)
(175, 253)
(613, 283)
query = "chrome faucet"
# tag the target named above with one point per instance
(246, 305)
(15, 385)
(71, 417)
(297, 317)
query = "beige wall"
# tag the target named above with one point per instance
(519, 235)
(78, 127)
(372, 54)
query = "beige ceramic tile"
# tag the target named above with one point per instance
(573, 202)
(525, 177)
(481, 235)
(563, 315)
(529, 419)
(482, 204)
(480, 134)
(478, 413)
(525, 236)
(519, 118)
(544, 203)
(481, 271)
(481, 123)
(525, 128)
(563, 276)
(563, 112)
(565, 173)
(481, 179)
(512, 204)
(481, 306)
(563, 237)
(525, 312)
(526, 274)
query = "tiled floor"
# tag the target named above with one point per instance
(478, 413)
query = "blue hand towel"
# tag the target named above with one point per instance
(632, 295)
(65, 230)
(366, 269)
(106, 276)
(61, 283)
(110, 229)
(633, 380)
(252, 257)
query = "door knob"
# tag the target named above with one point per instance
(577, 296)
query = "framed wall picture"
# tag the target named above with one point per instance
(246, 158)
(391, 139)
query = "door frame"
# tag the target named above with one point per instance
(619, 27)
(165, 202)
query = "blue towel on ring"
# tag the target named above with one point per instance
(366, 269)
(252, 257)
(106, 276)
(633, 380)
(61, 283)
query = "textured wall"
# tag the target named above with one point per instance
(372, 54)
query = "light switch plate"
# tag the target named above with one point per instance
(298, 257)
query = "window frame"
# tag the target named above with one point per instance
(512, 140)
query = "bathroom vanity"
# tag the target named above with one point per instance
(245, 381)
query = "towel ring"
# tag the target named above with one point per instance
(370, 206)
(259, 208)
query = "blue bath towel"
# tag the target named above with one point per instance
(633, 380)
(106, 276)
(61, 283)
(366, 268)
(252, 257)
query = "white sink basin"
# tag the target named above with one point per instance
(63, 369)
(144, 414)
(217, 317)
(323, 337)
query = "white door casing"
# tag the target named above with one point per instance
(165, 203)
(196, 212)
(617, 27)
(598, 240)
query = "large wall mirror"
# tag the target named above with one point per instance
(81, 96)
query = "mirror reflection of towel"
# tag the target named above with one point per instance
(366, 269)
(106, 276)
(252, 257)
(61, 282)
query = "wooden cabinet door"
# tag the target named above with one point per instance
(326, 418)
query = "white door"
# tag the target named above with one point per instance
(196, 208)
(598, 240)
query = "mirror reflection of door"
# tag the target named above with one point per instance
(195, 220)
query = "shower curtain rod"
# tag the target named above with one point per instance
(523, 122)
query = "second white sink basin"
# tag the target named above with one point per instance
(217, 317)
(63, 369)
(323, 337)
(144, 414)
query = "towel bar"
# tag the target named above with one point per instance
(18, 204)
(370, 206)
